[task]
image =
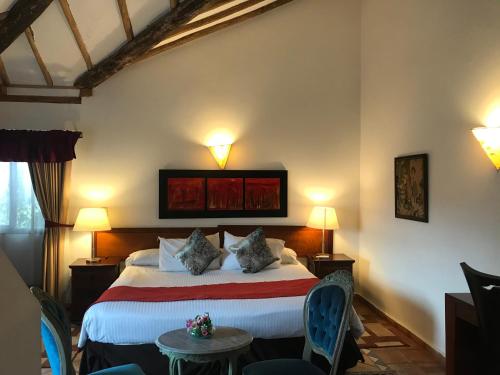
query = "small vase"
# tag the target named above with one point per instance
(197, 333)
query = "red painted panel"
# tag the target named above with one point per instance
(186, 193)
(262, 193)
(225, 194)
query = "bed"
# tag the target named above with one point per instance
(116, 332)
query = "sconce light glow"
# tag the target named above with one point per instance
(219, 137)
(97, 193)
(319, 195)
(219, 143)
(493, 118)
(220, 154)
(489, 139)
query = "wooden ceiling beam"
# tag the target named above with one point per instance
(3, 74)
(76, 33)
(157, 31)
(212, 29)
(31, 40)
(34, 86)
(215, 17)
(21, 15)
(40, 99)
(127, 25)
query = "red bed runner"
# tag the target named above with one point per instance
(265, 289)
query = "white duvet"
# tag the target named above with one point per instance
(142, 322)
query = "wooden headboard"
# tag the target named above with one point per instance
(121, 242)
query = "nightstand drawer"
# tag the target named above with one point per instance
(89, 281)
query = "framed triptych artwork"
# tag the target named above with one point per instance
(207, 193)
(411, 187)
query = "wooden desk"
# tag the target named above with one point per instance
(462, 335)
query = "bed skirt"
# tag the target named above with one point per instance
(98, 356)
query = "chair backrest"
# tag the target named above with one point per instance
(485, 290)
(326, 317)
(56, 333)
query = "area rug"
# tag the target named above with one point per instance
(379, 335)
(373, 365)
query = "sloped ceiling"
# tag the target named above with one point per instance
(102, 30)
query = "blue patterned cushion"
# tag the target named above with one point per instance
(325, 315)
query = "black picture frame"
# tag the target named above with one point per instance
(411, 187)
(165, 212)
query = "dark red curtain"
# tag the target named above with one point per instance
(38, 146)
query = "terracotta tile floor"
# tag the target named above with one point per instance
(413, 359)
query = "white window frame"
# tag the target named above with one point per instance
(13, 204)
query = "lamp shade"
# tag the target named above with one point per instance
(323, 218)
(92, 220)
(489, 138)
(220, 154)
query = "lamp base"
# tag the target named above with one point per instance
(93, 260)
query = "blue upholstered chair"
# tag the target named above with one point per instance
(326, 320)
(56, 337)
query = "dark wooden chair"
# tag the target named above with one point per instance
(485, 290)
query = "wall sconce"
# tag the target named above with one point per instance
(489, 138)
(220, 154)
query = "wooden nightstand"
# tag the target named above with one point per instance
(89, 281)
(324, 266)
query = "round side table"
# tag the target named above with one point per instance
(227, 344)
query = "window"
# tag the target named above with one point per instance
(19, 210)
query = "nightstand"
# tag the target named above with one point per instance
(89, 281)
(325, 266)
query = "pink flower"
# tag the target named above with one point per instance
(189, 323)
(204, 332)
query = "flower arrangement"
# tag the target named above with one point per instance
(200, 326)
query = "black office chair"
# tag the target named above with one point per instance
(485, 290)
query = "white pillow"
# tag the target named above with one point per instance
(171, 246)
(230, 262)
(288, 256)
(148, 257)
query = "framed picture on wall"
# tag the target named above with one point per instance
(412, 187)
(220, 193)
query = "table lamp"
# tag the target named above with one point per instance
(323, 218)
(92, 220)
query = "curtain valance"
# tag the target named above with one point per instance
(38, 146)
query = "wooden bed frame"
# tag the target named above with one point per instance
(120, 242)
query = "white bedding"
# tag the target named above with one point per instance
(142, 322)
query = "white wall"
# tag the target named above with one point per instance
(20, 323)
(286, 84)
(430, 73)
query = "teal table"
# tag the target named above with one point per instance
(225, 346)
